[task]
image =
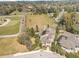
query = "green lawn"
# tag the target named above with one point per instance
(12, 27)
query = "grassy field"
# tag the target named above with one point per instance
(10, 46)
(40, 20)
(12, 27)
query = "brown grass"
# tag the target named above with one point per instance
(40, 20)
(11, 46)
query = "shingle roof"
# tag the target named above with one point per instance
(71, 42)
(47, 36)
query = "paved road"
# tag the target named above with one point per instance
(37, 54)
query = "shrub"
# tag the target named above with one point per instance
(31, 32)
(25, 40)
(37, 29)
(71, 55)
(57, 48)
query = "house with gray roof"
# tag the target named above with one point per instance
(69, 41)
(46, 36)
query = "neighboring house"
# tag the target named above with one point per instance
(69, 42)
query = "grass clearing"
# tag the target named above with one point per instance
(11, 46)
(12, 27)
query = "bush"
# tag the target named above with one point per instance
(71, 55)
(37, 43)
(25, 40)
(31, 32)
(37, 29)
(57, 48)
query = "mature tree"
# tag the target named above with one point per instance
(69, 24)
(25, 40)
(31, 32)
(37, 29)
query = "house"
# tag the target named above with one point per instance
(69, 41)
(46, 36)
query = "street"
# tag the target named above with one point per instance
(36, 54)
